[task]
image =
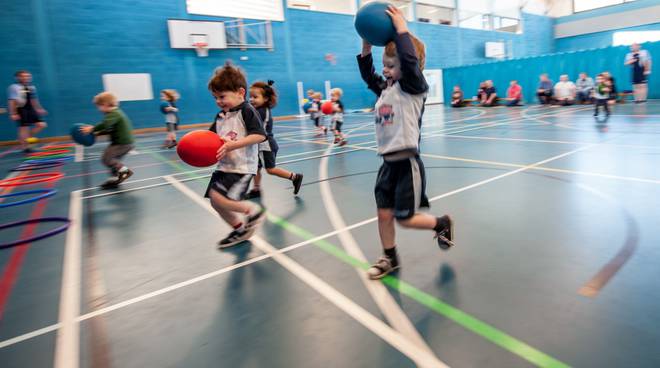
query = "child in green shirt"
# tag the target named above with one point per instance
(117, 125)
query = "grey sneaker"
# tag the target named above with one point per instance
(123, 175)
(235, 237)
(383, 266)
(445, 237)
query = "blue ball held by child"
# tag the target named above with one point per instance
(80, 137)
(374, 25)
(306, 106)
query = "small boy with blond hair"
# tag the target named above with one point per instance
(168, 107)
(337, 117)
(117, 125)
(316, 115)
(239, 126)
(400, 186)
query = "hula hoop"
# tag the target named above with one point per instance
(59, 155)
(58, 146)
(39, 165)
(31, 239)
(18, 181)
(44, 194)
(48, 153)
(48, 159)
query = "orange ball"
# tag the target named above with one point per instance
(199, 147)
(327, 107)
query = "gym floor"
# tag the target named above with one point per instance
(556, 262)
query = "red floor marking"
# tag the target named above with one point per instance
(13, 267)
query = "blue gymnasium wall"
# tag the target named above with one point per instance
(601, 39)
(68, 45)
(527, 70)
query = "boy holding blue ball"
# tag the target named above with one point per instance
(400, 186)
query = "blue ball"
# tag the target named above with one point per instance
(374, 25)
(306, 106)
(81, 138)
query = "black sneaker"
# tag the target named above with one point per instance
(297, 182)
(123, 175)
(383, 266)
(252, 194)
(254, 220)
(172, 144)
(445, 237)
(235, 237)
(111, 183)
(28, 150)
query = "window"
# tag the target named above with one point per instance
(630, 37)
(584, 5)
(495, 15)
(435, 11)
(249, 9)
(335, 6)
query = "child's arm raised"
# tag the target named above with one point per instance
(412, 79)
(375, 82)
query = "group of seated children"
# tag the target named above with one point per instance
(487, 95)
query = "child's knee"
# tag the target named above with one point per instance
(271, 171)
(41, 124)
(385, 215)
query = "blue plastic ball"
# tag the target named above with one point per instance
(81, 138)
(374, 25)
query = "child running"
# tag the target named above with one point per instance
(117, 125)
(168, 107)
(238, 125)
(263, 98)
(337, 115)
(316, 115)
(400, 187)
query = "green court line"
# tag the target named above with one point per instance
(469, 322)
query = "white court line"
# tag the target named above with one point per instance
(80, 153)
(126, 303)
(421, 356)
(384, 300)
(67, 343)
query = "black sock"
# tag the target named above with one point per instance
(391, 253)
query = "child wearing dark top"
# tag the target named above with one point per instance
(117, 125)
(171, 112)
(263, 98)
(602, 94)
(337, 115)
(400, 186)
(239, 126)
(457, 97)
(316, 115)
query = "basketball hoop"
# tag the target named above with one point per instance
(202, 49)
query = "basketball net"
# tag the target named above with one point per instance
(201, 48)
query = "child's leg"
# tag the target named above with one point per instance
(111, 159)
(39, 126)
(228, 209)
(269, 158)
(23, 134)
(386, 228)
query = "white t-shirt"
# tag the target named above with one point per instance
(564, 89)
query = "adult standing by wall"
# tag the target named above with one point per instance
(640, 62)
(25, 109)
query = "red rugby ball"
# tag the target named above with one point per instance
(199, 147)
(327, 107)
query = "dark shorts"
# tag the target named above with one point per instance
(401, 186)
(28, 116)
(230, 185)
(267, 159)
(172, 127)
(338, 125)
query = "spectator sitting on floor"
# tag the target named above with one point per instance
(565, 91)
(489, 97)
(481, 91)
(584, 86)
(544, 91)
(514, 94)
(457, 97)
